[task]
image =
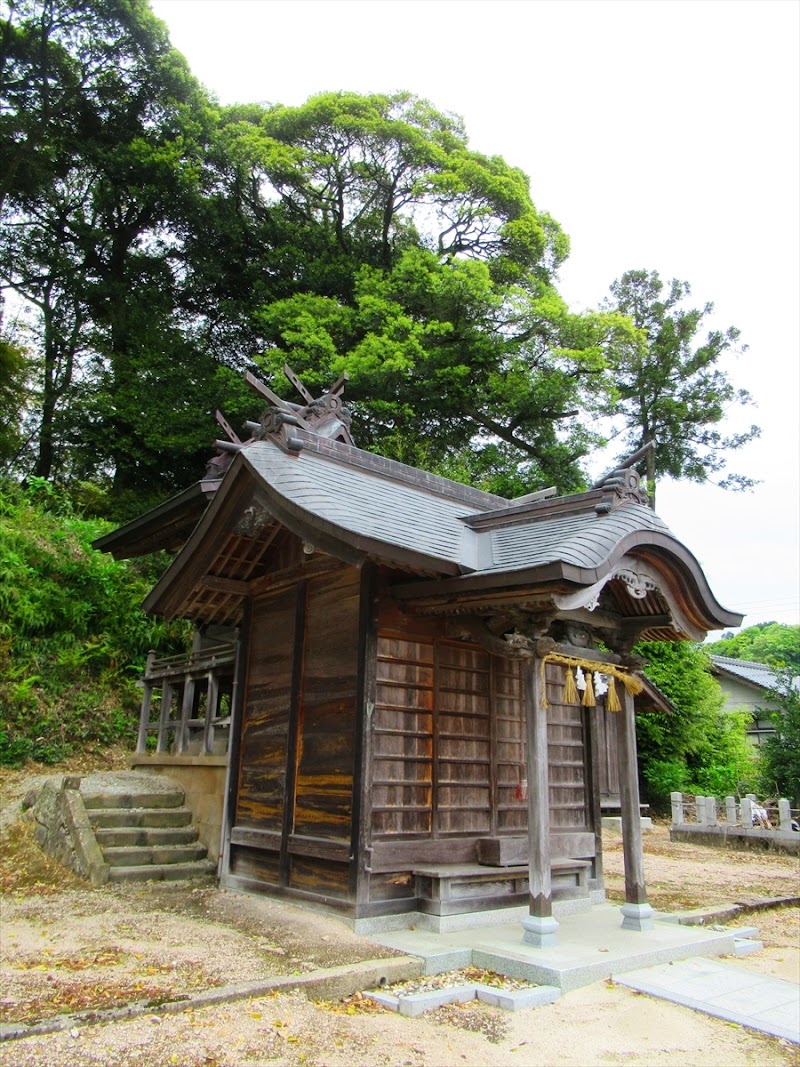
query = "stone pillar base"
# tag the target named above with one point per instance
(540, 931)
(637, 917)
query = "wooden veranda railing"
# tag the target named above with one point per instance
(186, 702)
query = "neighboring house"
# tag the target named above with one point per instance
(745, 686)
(391, 701)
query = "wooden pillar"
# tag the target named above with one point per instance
(637, 913)
(540, 926)
(238, 698)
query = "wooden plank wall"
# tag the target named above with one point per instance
(449, 762)
(294, 802)
(448, 741)
(265, 723)
(567, 757)
(324, 798)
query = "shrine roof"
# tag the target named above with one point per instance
(301, 472)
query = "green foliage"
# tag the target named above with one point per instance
(73, 639)
(699, 747)
(780, 752)
(670, 387)
(13, 391)
(774, 643)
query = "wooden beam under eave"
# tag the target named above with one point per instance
(530, 602)
(224, 585)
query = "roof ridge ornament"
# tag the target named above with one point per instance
(326, 415)
(623, 482)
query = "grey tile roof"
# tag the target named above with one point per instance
(387, 505)
(584, 540)
(365, 503)
(758, 674)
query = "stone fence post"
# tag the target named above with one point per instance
(730, 810)
(677, 808)
(747, 812)
(785, 814)
(712, 817)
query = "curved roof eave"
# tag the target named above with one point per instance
(643, 543)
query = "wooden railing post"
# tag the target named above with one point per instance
(187, 704)
(212, 707)
(163, 719)
(147, 700)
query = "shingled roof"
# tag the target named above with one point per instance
(758, 675)
(451, 545)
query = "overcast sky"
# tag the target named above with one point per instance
(661, 134)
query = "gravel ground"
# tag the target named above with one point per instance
(67, 946)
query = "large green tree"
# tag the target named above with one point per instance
(780, 752)
(424, 270)
(698, 747)
(102, 134)
(166, 243)
(671, 388)
(775, 643)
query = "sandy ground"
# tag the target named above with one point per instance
(68, 947)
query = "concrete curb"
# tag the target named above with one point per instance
(330, 983)
(725, 912)
(414, 1004)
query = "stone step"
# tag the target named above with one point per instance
(144, 856)
(168, 798)
(163, 872)
(154, 817)
(128, 836)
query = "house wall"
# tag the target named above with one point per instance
(742, 697)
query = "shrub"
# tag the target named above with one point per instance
(73, 637)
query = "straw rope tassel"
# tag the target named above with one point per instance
(588, 693)
(612, 700)
(570, 692)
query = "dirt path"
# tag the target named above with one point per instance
(67, 947)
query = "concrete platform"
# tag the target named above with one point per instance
(725, 991)
(592, 945)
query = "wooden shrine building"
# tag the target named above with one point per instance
(400, 676)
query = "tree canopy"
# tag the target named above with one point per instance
(775, 643)
(670, 386)
(161, 244)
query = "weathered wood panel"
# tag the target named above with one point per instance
(402, 732)
(319, 876)
(324, 788)
(258, 864)
(463, 793)
(567, 756)
(509, 738)
(265, 722)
